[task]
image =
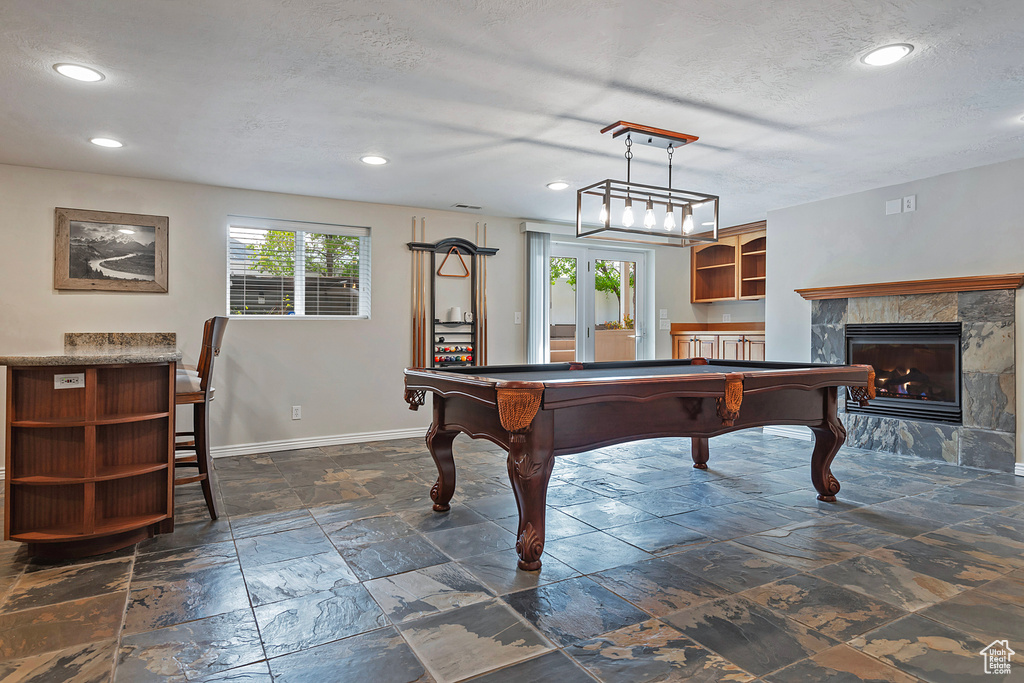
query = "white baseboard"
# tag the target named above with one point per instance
(314, 442)
(792, 432)
(1018, 469)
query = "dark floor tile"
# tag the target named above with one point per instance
(270, 523)
(979, 543)
(863, 493)
(892, 522)
(380, 656)
(245, 502)
(823, 606)
(495, 507)
(1008, 487)
(427, 519)
(50, 586)
(557, 525)
(658, 536)
(165, 600)
(250, 673)
(923, 507)
(553, 666)
(500, 573)
(941, 563)
(896, 585)
(362, 532)
(89, 663)
(168, 565)
(928, 650)
(594, 552)
(706, 494)
(301, 623)
(492, 632)
(794, 549)
(984, 615)
(736, 519)
(730, 566)
(658, 586)
(435, 589)
(904, 483)
(606, 513)
(801, 500)
(652, 651)
(245, 468)
(840, 664)
(188, 535)
(331, 493)
(574, 610)
(476, 539)
(294, 578)
(191, 650)
(660, 503)
(403, 554)
(749, 635)
(36, 630)
(611, 486)
(285, 545)
(333, 517)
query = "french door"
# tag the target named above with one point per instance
(598, 304)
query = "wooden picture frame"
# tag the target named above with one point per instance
(89, 244)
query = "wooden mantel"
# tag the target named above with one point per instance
(952, 284)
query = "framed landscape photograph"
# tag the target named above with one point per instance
(116, 252)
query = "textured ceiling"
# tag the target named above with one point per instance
(486, 101)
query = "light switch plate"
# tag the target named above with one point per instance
(519, 318)
(664, 325)
(726, 317)
(662, 313)
(893, 206)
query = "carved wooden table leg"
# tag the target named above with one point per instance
(700, 453)
(439, 442)
(828, 439)
(529, 470)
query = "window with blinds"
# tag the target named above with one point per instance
(301, 269)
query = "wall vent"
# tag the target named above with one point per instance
(466, 206)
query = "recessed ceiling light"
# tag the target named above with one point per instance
(889, 54)
(374, 160)
(78, 72)
(106, 142)
(558, 185)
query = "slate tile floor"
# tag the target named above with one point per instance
(329, 565)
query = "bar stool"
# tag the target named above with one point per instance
(193, 387)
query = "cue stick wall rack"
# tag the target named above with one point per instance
(448, 343)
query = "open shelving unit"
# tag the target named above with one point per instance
(89, 469)
(731, 269)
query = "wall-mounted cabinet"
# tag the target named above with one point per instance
(732, 269)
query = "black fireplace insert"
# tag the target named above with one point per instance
(917, 369)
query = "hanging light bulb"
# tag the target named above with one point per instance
(627, 214)
(604, 213)
(670, 218)
(650, 220)
(687, 219)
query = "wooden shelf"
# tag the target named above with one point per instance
(720, 265)
(733, 269)
(752, 279)
(755, 253)
(74, 531)
(83, 422)
(89, 469)
(102, 474)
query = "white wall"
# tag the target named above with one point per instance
(346, 375)
(966, 223)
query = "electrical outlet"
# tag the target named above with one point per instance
(519, 318)
(910, 203)
(893, 206)
(726, 317)
(296, 412)
(75, 380)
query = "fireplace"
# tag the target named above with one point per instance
(917, 369)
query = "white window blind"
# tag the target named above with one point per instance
(301, 269)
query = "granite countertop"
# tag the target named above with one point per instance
(114, 348)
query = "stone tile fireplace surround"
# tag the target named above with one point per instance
(987, 436)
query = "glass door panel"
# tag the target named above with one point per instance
(614, 296)
(564, 310)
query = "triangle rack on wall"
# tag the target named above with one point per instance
(452, 342)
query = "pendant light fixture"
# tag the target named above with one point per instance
(673, 231)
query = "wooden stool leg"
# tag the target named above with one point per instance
(201, 413)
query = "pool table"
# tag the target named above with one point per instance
(537, 412)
